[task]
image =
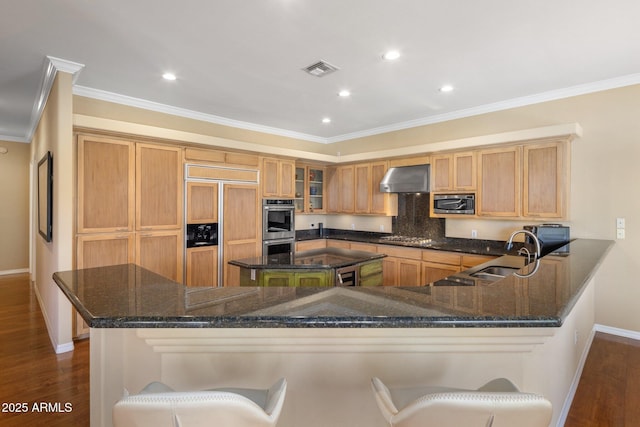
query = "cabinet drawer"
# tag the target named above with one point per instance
(441, 257)
(367, 247)
(393, 251)
(307, 245)
(338, 244)
(469, 261)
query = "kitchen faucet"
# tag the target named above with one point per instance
(536, 254)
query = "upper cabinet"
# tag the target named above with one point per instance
(545, 179)
(202, 202)
(310, 189)
(278, 178)
(499, 182)
(106, 177)
(159, 183)
(453, 172)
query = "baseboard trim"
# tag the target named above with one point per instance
(58, 348)
(626, 333)
(564, 413)
(16, 271)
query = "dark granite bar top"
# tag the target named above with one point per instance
(326, 258)
(129, 296)
(452, 244)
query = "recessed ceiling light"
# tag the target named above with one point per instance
(344, 93)
(169, 76)
(446, 88)
(391, 55)
(326, 120)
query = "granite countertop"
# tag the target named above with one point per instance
(129, 296)
(451, 244)
(325, 258)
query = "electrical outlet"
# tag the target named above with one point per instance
(353, 226)
(381, 227)
(620, 233)
(474, 234)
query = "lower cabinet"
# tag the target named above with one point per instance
(202, 266)
(371, 273)
(161, 252)
(285, 278)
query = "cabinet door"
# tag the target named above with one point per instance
(409, 273)
(432, 272)
(161, 252)
(159, 184)
(99, 250)
(270, 177)
(202, 202)
(333, 189)
(316, 189)
(242, 225)
(442, 172)
(499, 182)
(106, 192)
(287, 170)
(381, 203)
(202, 266)
(389, 271)
(346, 181)
(464, 171)
(362, 188)
(545, 183)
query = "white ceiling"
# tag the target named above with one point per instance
(239, 62)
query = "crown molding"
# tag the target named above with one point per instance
(602, 85)
(190, 114)
(51, 67)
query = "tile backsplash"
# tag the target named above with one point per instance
(413, 217)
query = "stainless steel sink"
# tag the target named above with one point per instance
(494, 272)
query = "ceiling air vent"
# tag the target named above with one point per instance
(320, 68)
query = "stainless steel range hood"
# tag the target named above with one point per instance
(406, 179)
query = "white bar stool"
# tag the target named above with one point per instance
(157, 405)
(498, 403)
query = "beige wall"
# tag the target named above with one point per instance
(54, 133)
(14, 208)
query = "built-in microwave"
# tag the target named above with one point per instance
(454, 204)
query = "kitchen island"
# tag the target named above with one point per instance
(313, 268)
(328, 342)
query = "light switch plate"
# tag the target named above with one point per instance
(620, 223)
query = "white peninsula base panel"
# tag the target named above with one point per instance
(329, 370)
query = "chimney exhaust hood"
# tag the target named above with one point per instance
(406, 179)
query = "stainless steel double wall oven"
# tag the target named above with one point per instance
(278, 226)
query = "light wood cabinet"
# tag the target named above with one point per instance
(545, 180)
(454, 172)
(100, 250)
(362, 177)
(441, 172)
(332, 187)
(159, 184)
(401, 266)
(381, 203)
(202, 266)
(242, 228)
(202, 202)
(499, 182)
(106, 179)
(278, 178)
(307, 245)
(161, 252)
(346, 177)
(432, 272)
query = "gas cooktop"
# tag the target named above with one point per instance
(407, 239)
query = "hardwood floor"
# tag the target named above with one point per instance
(608, 394)
(49, 389)
(32, 374)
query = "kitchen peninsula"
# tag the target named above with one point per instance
(328, 342)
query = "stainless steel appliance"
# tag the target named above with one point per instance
(278, 226)
(202, 235)
(406, 179)
(279, 246)
(454, 204)
(347, 276)
(551, 236)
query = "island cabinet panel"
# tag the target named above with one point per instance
(202, 266)
(499, 182)
(242, 228)
(545, 179)
(106, 185)
(286, 278)
(161, 252)
(371, 274)
(159, 183)
(202, 202)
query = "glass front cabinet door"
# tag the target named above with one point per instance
(309, 197)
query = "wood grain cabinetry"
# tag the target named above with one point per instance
(106, 178)
(346, 177)
(454, 172)
(499, 182)
(159, 183)
(362, 176)
(242, 227)
(278, 178)
(545, 180)
(202, 202)
(202, 266)
(308, 245)
(161, 252)
(381, 203)
(310, 189)
(401, 266)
